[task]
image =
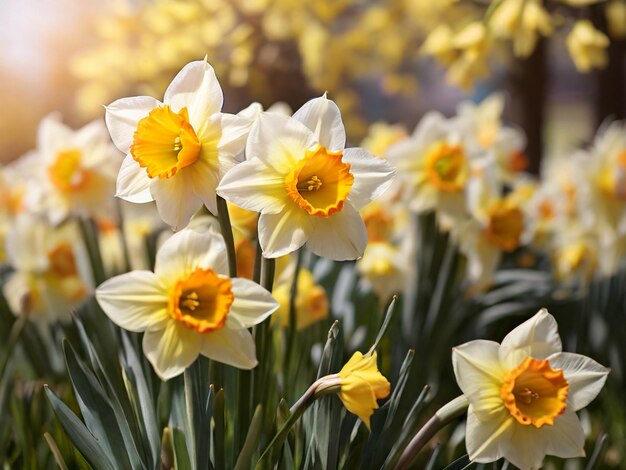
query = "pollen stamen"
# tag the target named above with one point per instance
(312, 184)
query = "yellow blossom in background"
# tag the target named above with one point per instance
(381, 136)
(311, 303)
(385, 266)
(616, 18)
(362, 385)
(521, 21)
(587, 46)
(524, 394)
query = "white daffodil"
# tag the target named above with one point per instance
(434, 165)
(484, 131)
(51, 273)
(607, 165)
(75, 170)
(524, 394)
(178, 150)
(306, 186)
(189, 306)
(495, 225)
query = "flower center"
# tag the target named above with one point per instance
(534, 393)
(62, 262)
(165, 142)
(201, 301)
(66, 173)
(446, 166)
(320, 182)
(505, 225)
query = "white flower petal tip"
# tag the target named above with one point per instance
(323, 118)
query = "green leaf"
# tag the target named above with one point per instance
(244, 460)
(219, 432)
(598, 452)
(142, 397)
(98, 413)
(54, 449)
(181, 455)
(84, 441)
(461, 463)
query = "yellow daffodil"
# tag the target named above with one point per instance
(75, 170)
(306, 186)
(524, 394)
(385, 266)
(522, 21)
(381, 136)
(311, 301)
(361, 385)
(51, 274)
(587, 46)
(188, 305)
(178, 150)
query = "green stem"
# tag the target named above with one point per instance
(121, 226)
(320, 387)
(90, 238)
(291, 333)
(16, 332)
(227, 232)
(441, 418)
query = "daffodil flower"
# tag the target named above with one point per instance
(435, 164)
(178, 150)
(524, 393)
(74, 171)
(361, 385)
(306, 186)
(51, 270)
(189, 306)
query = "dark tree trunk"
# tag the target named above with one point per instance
(610, 82)
(528, 86)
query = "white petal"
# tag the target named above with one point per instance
(584, 375)
(175, 199)
(18, 294)
(566, 437)
(233, 347)
(234, 135)
(189, 249)
(483, 439)
(171, 350)
(133, 183)
(372, 176)
(53, 135)
(280, 234)
(123, 115)
(525, 447)
(135, 301)
(251, 306)
(254, 186)
(279, 141)
(340, 237)
(537, 337)
(323, 118)
(479, 375)
(204, 178)
(196, 88)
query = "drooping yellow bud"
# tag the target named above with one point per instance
(361, 385)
